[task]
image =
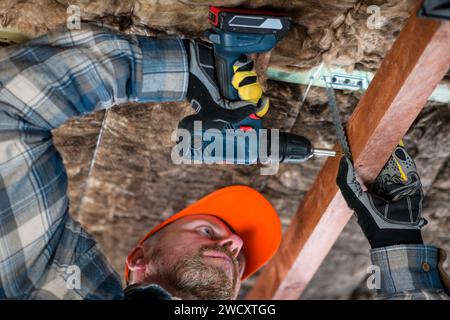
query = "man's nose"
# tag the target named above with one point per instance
(234, 244)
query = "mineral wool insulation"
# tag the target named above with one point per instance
(133, 184)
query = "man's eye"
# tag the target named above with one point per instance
(206, 231)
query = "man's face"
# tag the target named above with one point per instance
(196, 255)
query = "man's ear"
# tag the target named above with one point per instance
(136, 260)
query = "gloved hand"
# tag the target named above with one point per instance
(245, 81)
(204, 95)
(390, 212)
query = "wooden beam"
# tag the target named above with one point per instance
(410, 71)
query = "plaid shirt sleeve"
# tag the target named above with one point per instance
(411, 272)
(43, 83)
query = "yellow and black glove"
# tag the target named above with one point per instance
(245, 81)
(390, 211)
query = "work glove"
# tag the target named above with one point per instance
(204, 95)
(245, 81)
(390, 211)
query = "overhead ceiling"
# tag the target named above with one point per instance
(123, 182)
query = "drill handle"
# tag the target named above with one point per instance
(228, 48)
(226, 53)
(224, 72)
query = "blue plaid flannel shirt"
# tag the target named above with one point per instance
(67, 73)
(43, 83)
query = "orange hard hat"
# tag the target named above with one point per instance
(247, 213)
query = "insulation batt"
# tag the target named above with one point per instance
(335, 31)
(134, 185)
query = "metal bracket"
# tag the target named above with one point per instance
(346, 82)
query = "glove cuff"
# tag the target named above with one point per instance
(391, 237)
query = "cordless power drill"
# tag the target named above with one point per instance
(236, 32)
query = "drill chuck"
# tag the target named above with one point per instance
(294, 149)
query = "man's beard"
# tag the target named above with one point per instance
(199, 279)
